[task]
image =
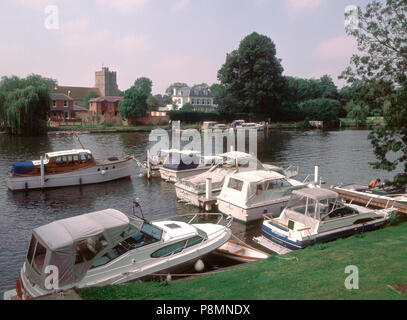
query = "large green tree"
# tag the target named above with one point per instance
(382, 65)
(25, 104)
(134, 104)
(252, 75)
(145, 85)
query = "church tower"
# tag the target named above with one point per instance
(106, 82)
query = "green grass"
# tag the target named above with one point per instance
(317, 272)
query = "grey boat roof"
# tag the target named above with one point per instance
(317, 194)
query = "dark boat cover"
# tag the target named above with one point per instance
(22, 167)
(179, 166)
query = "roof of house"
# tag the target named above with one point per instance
(107, 99)
(77, 93)
(59, 96)
(195, 91)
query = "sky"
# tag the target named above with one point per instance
(167, 40)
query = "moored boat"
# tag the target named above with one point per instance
(248, 195)
(193, 189)
(67, 168)
(376, 196)
(181, 164)
(317, 215)
(241, 252)
(108, 247)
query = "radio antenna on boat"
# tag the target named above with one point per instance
(136, 204)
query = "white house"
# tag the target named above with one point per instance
(199, 96)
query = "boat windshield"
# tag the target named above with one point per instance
(304, 205)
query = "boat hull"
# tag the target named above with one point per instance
(252, 213)
(99, 173)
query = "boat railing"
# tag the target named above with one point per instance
(205, 217)
(292, 171)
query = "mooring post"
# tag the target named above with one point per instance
(42, 172)
(316, 175)
(148, 165)
(209, 188)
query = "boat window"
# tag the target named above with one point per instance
(169, 250)
(76, 159)
(202, 234)
(138, 240)
(39, 257)
(291, 224)
(83, 157)
(58, 160)
(116, 252)
(31, 249)
(87, 249)
(193, 241)
(152, 231)
(259, 189)
(235, 184)
(270, 185)
(279, 183)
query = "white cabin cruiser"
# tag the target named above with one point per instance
(106, 247)
(67, 168)
(250, 125)
(193, 189)
(318, 215)
(247, 196)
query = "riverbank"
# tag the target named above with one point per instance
(110, 129)
(314, 273)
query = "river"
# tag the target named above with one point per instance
(343, 156)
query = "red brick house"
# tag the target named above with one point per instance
(107, 108)
(63, 108)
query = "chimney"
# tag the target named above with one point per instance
(69, 93)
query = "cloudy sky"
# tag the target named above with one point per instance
(167, 40)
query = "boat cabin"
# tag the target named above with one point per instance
(250, 188)
(182, 160)
(55, 162)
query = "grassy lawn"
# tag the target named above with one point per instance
(317, 272)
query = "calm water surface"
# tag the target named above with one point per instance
(343, 156)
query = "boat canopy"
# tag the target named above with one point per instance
(22, 167)
(317, 194)
(70, 241)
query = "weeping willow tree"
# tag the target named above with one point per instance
(25, 104)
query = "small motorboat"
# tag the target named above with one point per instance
(318, 215)
(193, 189)
(108, 247)
(241, 252)
(67, 168)
(382, 196)
(248, 195)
